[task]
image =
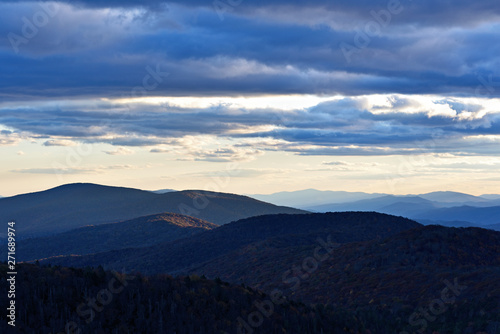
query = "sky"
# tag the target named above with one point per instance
(251, 97)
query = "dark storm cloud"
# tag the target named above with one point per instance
(87, 51)
(424, 11)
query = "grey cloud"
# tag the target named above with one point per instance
(119, 151)
(334, 163)
(59, 143)
(253, 54)
(334, 127)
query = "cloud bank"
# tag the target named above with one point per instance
(127, 48)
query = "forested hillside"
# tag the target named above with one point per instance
(301, 229)
(135, 233)
(66, 300)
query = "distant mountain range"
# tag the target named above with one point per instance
(442, 207)
(309, 198)
(312, 197)
(75, 205)
(135, 233)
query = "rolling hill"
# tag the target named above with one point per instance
(479, 216)
(382, 268)
(394, 276)
(426, 250)
(135, 233)
(177, 256)
(75, 205)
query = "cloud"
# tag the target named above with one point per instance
(120, 151)
(239, 172)
(226, 155)
(55, 171)
(439, 12)
(54, 142)
(73, 170)
(160, 150)
(335, 163)
(345, 126)
(113, 49)
(9, 138)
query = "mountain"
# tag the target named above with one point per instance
(75, 205)
(179, 255)
(495, 227)
(321, 201)
(421, 209)
(387, 278)
(135, 233)
(313, 197)
(442, 248)
(479, 216)
(451, 196)
(490, 196)
(398, 205)
(68, 300)
(382, 268)
(454, 223)
(163, 191)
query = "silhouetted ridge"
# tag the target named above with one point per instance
(53, 297)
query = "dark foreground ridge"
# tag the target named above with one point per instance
(94, 301)
(295, 230)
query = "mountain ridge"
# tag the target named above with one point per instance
(135, 233)
(74, 205)
(177, 255)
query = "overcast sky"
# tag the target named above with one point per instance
(251, 96)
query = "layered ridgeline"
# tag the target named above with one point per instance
(388, 270)
(75, 205)
(390, 278)
(94, 301)
(135, 233)
(405, 266)
(444, 208)
(300, 230)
